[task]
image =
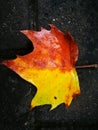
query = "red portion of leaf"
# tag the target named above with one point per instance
(51, 49)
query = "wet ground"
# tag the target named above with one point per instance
(81, 19)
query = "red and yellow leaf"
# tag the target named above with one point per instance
(50, 66)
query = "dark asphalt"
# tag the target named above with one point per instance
(81, 19)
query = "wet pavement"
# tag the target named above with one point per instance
(81, 19)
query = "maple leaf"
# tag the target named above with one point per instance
(50, 66)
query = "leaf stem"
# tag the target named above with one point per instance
(87, 66)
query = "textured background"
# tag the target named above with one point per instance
(81, 19)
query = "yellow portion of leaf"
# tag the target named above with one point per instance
(53, 85)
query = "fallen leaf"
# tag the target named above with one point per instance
(50, 66)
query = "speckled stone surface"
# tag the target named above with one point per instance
(81, 19)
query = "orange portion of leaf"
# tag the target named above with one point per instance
(50, 66)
